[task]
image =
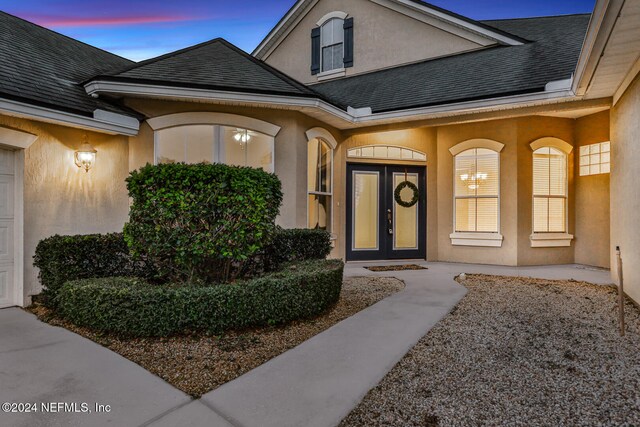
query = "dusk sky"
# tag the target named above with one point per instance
(141, 29)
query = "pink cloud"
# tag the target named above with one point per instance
(106, 21)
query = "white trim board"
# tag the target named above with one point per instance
(102, 121)
(327, 112)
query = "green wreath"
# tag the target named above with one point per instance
(398, 198)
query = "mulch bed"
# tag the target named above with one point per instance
(517, 352)
(405, 267)
(199, 363)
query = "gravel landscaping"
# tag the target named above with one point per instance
(198, 363)
(517, 352)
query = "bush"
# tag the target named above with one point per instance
(132, 307)
(199, 223)
(301, 244)
(64, 258)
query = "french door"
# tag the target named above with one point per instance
(378, 227)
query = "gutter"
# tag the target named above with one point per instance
(102, 121)
(555, 92)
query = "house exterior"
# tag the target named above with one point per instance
(518, 138)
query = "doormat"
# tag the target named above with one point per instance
(396, 267)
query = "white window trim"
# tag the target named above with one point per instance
(332, 74)
(490, 240)
(323, 135)
(207, 118)
(331, 15)
(477, 238)
(551, 239)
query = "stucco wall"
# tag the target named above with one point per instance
(592, 211)
(374, 46)
(290, 148)
(625, 192)
(59, 198)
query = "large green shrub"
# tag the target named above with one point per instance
(132, 307)
(297, 244)
(64, 258)
(199, 223)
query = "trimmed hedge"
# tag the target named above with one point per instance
(199, 223)
(132, 307)
(300, 244)
(64, 258)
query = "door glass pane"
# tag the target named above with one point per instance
(405, 220)
(365, 210)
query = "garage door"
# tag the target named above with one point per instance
(7, 188)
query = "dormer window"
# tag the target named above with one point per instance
(332, 45)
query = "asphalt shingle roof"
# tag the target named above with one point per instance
(551, 54)
(41, 67)
(216, 64)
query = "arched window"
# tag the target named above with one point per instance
(550, 183)
(319, 184)
(332, 44)
(198, 143)
(477, 191)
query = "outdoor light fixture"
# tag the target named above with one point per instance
(85, 156)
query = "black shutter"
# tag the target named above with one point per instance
(315, 51)
(348, 43)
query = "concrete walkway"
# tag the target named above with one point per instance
(315, 384)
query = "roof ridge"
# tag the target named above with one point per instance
(167, 55)
(268, 67)
(522, 18)
(65, 36)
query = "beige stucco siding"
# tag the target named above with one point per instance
(625, 192)
(59, 198)
(592, 197)
(382, 38)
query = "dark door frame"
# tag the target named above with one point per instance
(386, 201)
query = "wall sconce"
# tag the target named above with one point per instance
(85, 156)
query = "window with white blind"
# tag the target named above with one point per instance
(332, 45)
(477, 191)
(319, 184)
(550, 182)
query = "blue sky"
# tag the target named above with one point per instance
(140, 29)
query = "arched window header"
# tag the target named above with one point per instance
(209, 118)
(322, 134)
(476, 143)
(332, 15)
(552, 142)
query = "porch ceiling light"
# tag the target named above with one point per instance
(85, 156)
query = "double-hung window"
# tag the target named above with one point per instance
(477, 191)
(332, 44)
(319, 184)
(550, 193)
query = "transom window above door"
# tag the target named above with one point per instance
(215, 144)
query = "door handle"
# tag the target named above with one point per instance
(390, 221)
